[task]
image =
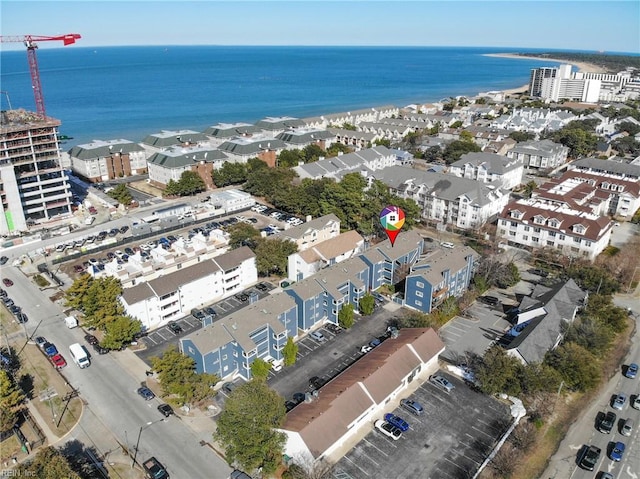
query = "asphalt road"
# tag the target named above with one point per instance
(583, 432)
(109, 391)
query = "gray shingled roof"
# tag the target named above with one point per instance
(547, 147)
(304, 137)
(279, 123)
(178, 157)
(233, 258)
(609, 166)
(251, 146)
(299, 231)
(102, 149)
(165, 139)
(229, 130)
(495, 164)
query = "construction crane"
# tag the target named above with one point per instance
(30, 42)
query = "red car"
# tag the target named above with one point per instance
(58, 361)
(7, 282)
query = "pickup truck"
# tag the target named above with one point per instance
(154, 470)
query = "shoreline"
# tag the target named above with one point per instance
(581, 66)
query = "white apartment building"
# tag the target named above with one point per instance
(445, 198)
(107, 160)
(312, 232)
(489, 168)
(309, 261)
(173, 295)
(232, 200)
(543, 154)
(173, 138)
(222, 132)
(370, 159)
(558, 83)
(169, 164)
(34, 189)
(539, 223)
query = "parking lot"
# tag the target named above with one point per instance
(326, 359)
(449, 440)
(157, 341)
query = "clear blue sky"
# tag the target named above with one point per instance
(580, 25)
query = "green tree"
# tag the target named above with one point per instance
(290, 158)
(629, 127)
(349, 126)
(367, 304)
(627, 146)
(456, 124)
(242, 234)
(11, 402)
(579, 368)
(499, 372)
(383, 141)
(593, 278)
(529, 188)
(521, 136)
(121, 194)
(268, 182)
(290, 352)
(172, 188)
(312, 153)
(245, 428)
(432, 154)
(230, 174)
(457, 148)
(48, 463)
(336, 148)
(272, 256)
(178, 377)
(579, 141)
(76, 296)
(260, 369)
(121, 330)
(345, 316)
(191, 183)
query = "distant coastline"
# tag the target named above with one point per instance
(581, 66)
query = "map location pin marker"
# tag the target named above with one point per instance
(392, 220)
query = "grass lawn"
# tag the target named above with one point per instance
(9, 448)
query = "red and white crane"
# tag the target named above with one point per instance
(30, 42)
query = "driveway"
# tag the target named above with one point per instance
(328, 358)
(449, 440)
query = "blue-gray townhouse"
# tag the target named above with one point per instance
(440, 274)
(229, 346)
(390, 264)
(320, 297)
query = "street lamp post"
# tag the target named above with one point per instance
(142, 428)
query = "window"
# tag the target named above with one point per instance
(503, 222)
(525, 238)
(561, 237)
(587, 243)
(512, 233)
(224, 357)
(526, 228)
(549, 243)
(418, 303)
(535, 239)
(552, 234)
(577, 240)
(536, 230)
(419, 284)
(513, 223)
(419, 294)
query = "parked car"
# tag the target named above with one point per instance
(58, 361)
(196, 313)
(174, 327)
(3, 260)
(298, 397)
(617, 452)
(318, 336)
(165, 410)
(619, 401)
(146, 393)
(590, 457)
(446, 244)
(539, 272)
(289, 405)
(632, 371)
(636, 402)
(413, 407)
(210, 311)
(388, 430)
(365, 349)
(50, 349)
(374, 343)
(91, 339)
(316, 382)
(441, 382)
(607, 422)
(40, 342)
(99, 349)
(7, 282)
(124, 229)
(397, 421)
(334, 328)
(490, 300)
(154, 469)
(627, 427)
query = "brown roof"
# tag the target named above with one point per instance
(234, 258)
(171, 282)
(369, 381)
(595, 225)
(137, 293)
(339, 245)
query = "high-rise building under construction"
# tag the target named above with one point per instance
(34, 189)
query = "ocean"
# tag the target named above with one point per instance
(130, 92)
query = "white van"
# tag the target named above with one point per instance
(79, 355)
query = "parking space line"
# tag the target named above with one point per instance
(303, 344)
(355, 464)
(482, 431)
(379, 450)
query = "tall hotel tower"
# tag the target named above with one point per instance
(34, 188)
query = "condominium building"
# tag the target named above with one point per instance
(559, 84)
(544, 154)
(169, 164)
(33, 186)
(106, 160)
(489, 168)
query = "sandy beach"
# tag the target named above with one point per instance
(581, 66)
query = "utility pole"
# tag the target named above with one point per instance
(142, 428)
(67, 398)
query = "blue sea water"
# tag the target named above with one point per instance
(130, 92)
